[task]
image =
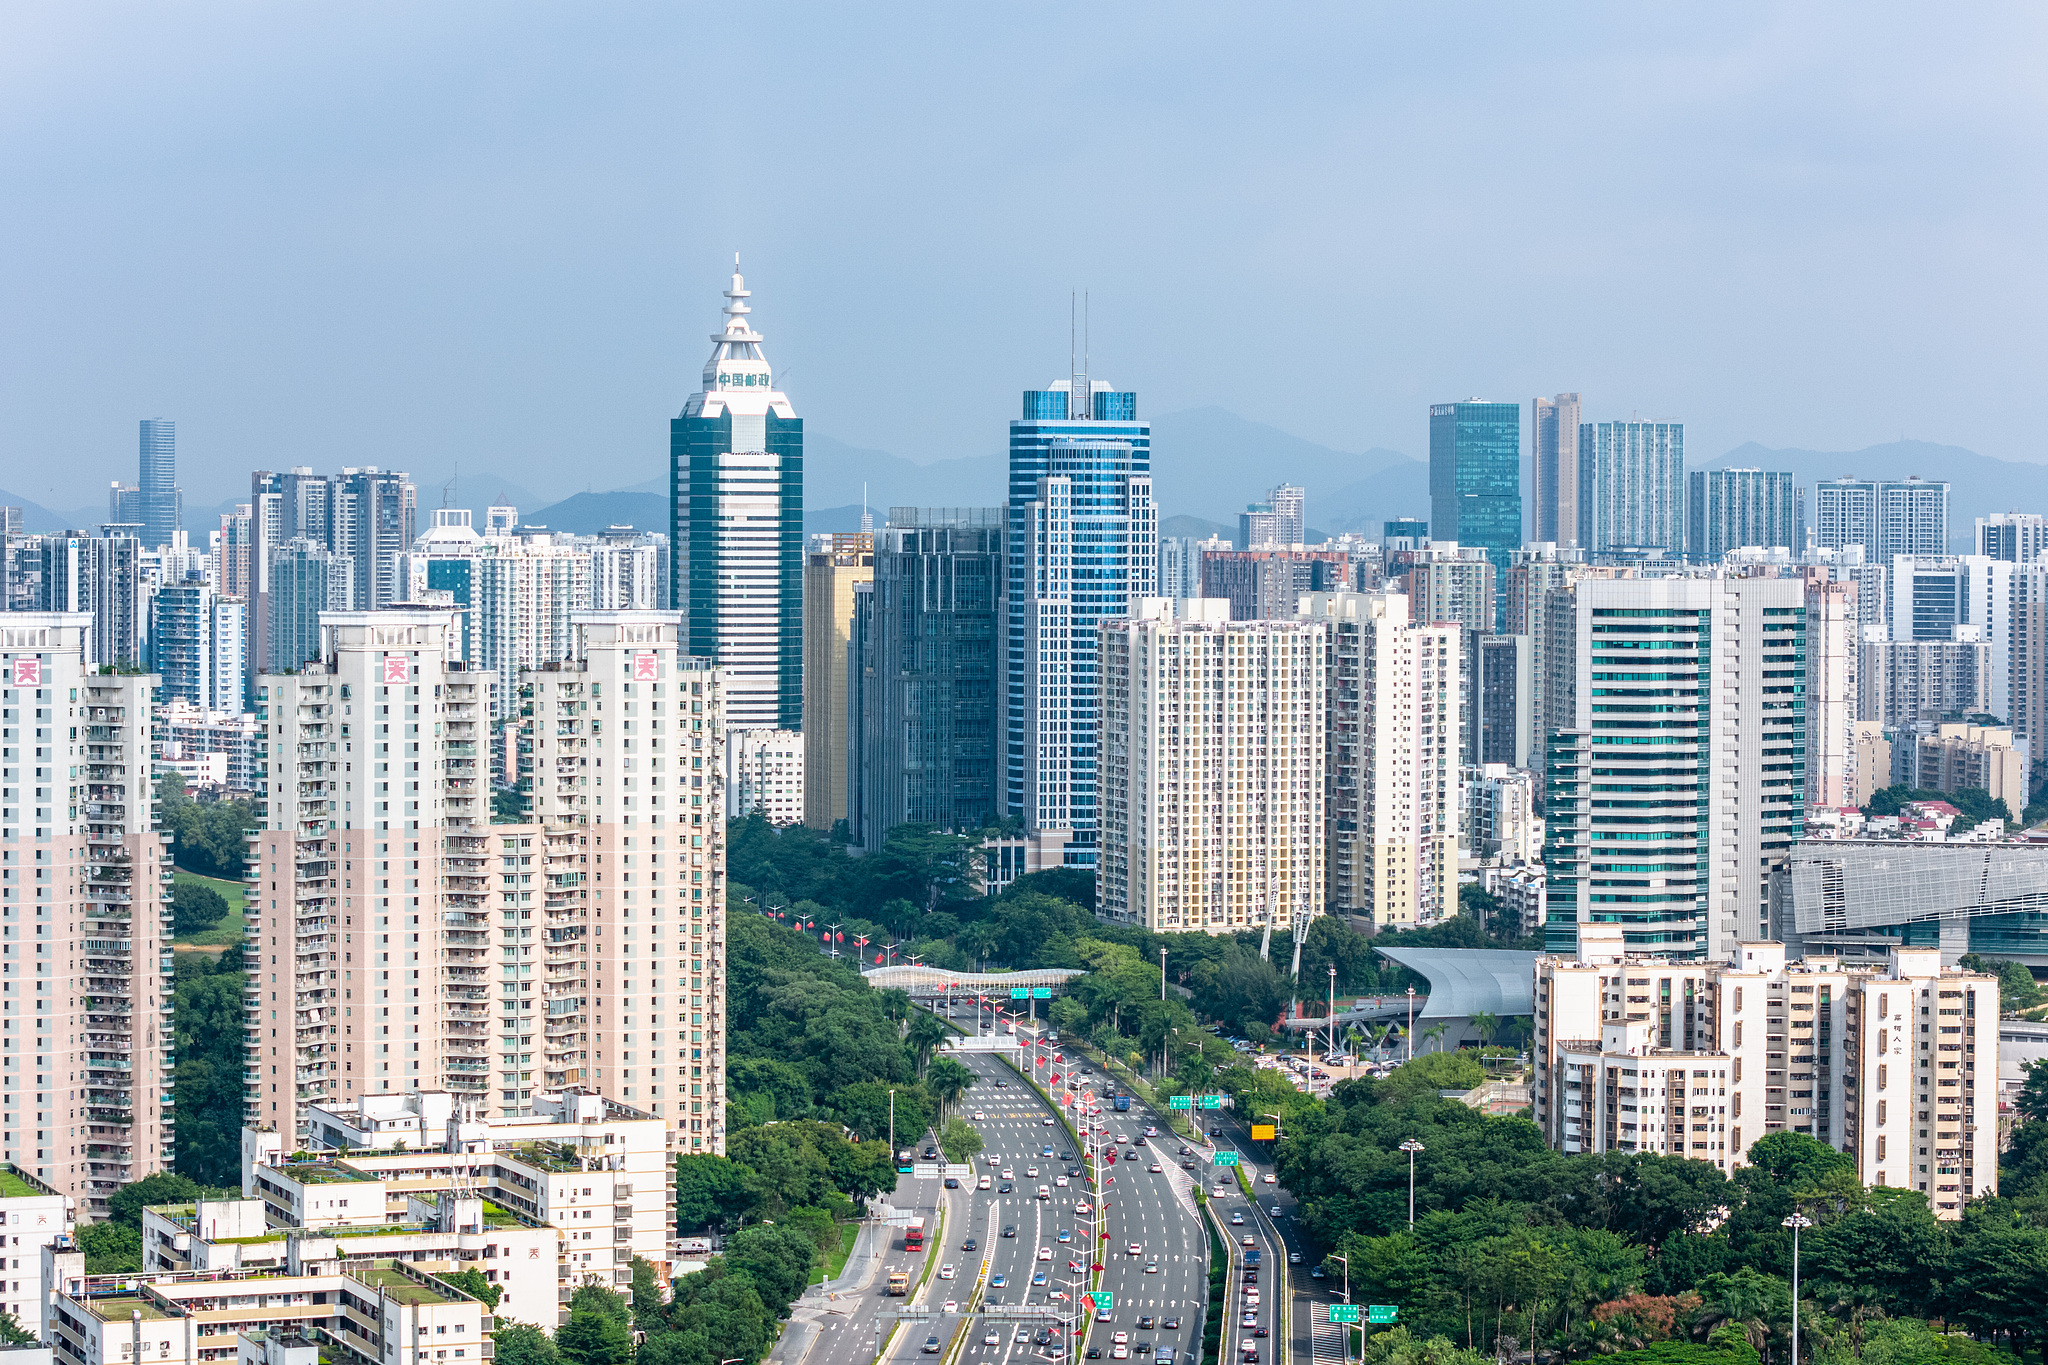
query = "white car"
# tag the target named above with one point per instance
(1060, 1181)
(951, 1306)
(1269, 1179)
(979, 1115)
(1009, 1175)
(992, 1339)
(1031, 1173)
(1045, 1253)
(945, 1272)
(1047, 1120)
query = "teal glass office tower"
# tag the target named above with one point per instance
(1082, 545)
(1475, 481)
(736, 527)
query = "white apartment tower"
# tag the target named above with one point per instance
(765, 773)
(1678, 781)
(1212, 768)
(1393, 783)
(1642, 1053)
(626, 742)
(85, 989)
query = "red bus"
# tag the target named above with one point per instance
(913, 1236)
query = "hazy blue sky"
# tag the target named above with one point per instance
(416, 234)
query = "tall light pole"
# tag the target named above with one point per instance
(1411, 1023)
(892, 1122)
(1796, 1222)
(1411, 1147)
(1333, 1013)
(1162, 975)
(1347, 1273)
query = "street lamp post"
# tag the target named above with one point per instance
(1411, 1023)
(892, 1125)
(1162, 974)
(1796, 1222)
(1347, 1274)
(1333, 1013)
(1411, 1147)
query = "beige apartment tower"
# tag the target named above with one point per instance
(1392, 775)
(1212, 768)
(1639, 1053)
(85, 887)
(834, 565)
(400, 941)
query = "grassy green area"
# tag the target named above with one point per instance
(228, 932)
(835, 1261)
(13, 1186)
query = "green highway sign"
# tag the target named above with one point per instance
(1041, 992)
(1343, 1312)
(1020, 992)
(1380, 1312)
(1226, 1158)
(1210, 1101)
(1104, 1300)
(1180, 1101)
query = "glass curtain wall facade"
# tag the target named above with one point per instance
(1475, 480)
(160, 505)
(1112, 560)
(736, 522)
(931, 660)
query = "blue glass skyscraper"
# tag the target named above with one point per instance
(160, 505)
(1083, 545)
(1475, 480)
(736, 526)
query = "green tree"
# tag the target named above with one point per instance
(110, 1248)
(713, 1189)
(777, 1261)
(125, 1205)
(594, 1336)
(947, 1080)
(196, 907)
(520, 1343)
(925, 1034)
(647, 1304)
(473, 1283)
(12, 1333)
(960, 1140)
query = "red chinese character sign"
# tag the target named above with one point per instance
(646, 668)
(397, 668)
(28, 672)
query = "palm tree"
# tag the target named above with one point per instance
(926, 1032)
(1379, 1032)
(948, 1080)
(1485, 1025)
(980, 939)
(1435, 1032)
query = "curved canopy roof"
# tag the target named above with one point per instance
(915, 979)
(1468, 981)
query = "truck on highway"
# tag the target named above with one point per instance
(899, 1283)
(913, 1235)
(1121, 1103)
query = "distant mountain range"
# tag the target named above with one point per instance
(1207, 464)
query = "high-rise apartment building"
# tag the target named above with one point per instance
(1653, 1053)
(1475, 480)
(764, 774)
(1449, 582)
(1914, 683)
(1212, 774)
(736, 525)
(1632, 486)
(400, 941)
(1833, 690)
(1180, 563)
(1533, 573)
(833, 565)
(1266, 585)
(926, 721)
(1501, 825)
(305, 580)
(2018, 536)
(1506, 701)
(86, 1061)
(1680, 780)
(230, 550)
(367, 516)
(195, 643)
(1554, 484)
(649, 824)
(98, 575)
(1888, 517)
(160, 501)
(1278, 522)
(1083, 541)
(1727, 509)
(1393, 793)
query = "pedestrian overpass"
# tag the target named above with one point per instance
(938, 983)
